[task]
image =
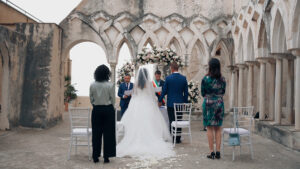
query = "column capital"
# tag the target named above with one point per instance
(252, 63)
(241, 65)
(113, 64)
(281, 56)
(266, 59)
(232, 67)
(206, 67)
(296, 52)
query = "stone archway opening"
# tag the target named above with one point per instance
(83, 59)
(222, 54)
(124, 56)
(196, 69)
(152, 67)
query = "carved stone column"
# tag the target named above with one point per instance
(290, 90)
(233, 70)
(241, 85)
(278, 89)
(271, 87)
(262, 89)
(297, 89)
(250, 83)
(113, 72)
(68, 67)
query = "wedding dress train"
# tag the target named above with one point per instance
(146, 132)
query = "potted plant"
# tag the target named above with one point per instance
(70, 92)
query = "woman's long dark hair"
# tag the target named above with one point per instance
(142, 79)
(214, 69)
(102, 73)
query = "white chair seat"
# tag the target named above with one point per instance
(120, 127)
(241, 131)
(180, 124)
(81, 131)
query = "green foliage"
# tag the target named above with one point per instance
(70, 91)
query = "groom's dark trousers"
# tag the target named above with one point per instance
(176, 88)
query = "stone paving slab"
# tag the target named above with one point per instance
(34, 148)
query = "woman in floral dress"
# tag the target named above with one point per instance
(213, 87)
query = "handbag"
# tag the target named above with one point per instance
(234, 139)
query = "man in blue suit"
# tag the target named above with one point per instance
(176, 87)
(125, 99)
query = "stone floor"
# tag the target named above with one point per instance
(35, 148)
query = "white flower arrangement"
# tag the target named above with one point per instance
(165, 57)
(127, 68)
(194, 92)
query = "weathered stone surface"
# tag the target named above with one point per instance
(281, 134)
(42, 98)
(12, 65)
(32, 88)
(33, 148)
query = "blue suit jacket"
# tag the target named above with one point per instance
(121, 92)
(176, 87)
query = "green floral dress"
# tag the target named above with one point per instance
(213, 91)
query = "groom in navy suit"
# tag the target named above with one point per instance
(176, 87)
(125, 99)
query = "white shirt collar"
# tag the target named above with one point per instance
(175, 72)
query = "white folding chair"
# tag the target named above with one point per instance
(119, 126)
(242, 125)
(182, 113)
(80, 129)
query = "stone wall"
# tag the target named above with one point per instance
(42, 99)
(186, 8)
(12, 64)
(38, 96)
(10, 15)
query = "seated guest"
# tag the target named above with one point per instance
(103, 115)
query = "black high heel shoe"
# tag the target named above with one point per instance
(218, 155)
(106, 160)
(96, 160)
(211, 156)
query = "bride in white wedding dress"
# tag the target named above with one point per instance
(146, 132)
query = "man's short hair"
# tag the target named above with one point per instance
(127, 75)
(174, 66)
(158, 72)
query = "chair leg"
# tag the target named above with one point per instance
(70, 147)
(174, 137)
(240, 149)
(251, 147)
(190, 131)
(222, 144)
(117, 136)
(89, 146)
(75, 145)
(233, 149)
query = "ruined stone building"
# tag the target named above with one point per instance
(257, 42)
